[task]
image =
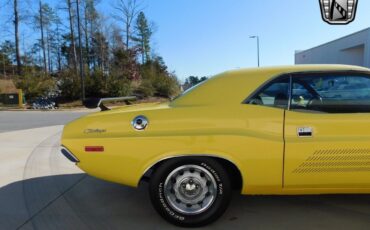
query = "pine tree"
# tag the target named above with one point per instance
(143, 36)
(16, 36)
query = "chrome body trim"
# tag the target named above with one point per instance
(190, 155)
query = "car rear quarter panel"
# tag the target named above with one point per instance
(249, 136)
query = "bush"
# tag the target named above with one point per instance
(69, 85)
(95, 84)
(166, 86)
(157, 80)
(145, 89)
(35, 86)
(119, 87)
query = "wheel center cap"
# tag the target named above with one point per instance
(190, 187)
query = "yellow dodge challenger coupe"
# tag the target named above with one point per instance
(283, 130)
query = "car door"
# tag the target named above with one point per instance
(263, 150)
(327, 131)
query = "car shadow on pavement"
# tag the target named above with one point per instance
(78, 201)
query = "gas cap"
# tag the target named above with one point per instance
(139, 123)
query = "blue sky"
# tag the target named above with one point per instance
(205, 37)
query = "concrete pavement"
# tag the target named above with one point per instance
(26, 155)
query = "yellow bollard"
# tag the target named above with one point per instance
(20, 98)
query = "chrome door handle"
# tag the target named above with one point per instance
(304, 132)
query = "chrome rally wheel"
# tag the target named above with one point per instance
(190, 191)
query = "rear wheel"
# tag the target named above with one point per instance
(190, 192)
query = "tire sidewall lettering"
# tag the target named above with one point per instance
(216, 176)
(160, 199)
(163, 202)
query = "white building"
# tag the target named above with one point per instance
(353, 49)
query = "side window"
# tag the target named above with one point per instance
(303, 96)
(275, 94)
(331, 94)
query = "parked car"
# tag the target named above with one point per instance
(263, 131)
(43, 103)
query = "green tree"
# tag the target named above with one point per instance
(91, 17)
(118, 87)
(118, 57)
(44, 19)
(73, 52)
(96, 84)
(35, 86)
(193, 80)
(69, 84)
(8, 56)
(127, 11)
(8, 49)
(67, 51)
(16, 21)
(99, 51)
(143, 36)
(124, 64)
(4, 62)
(157, 80)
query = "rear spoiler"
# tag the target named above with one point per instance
(93, 103)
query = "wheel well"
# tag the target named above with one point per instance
(231, 169)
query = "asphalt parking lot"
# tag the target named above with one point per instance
(20, 120)
(40, 189)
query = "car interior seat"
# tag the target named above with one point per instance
(281, 100)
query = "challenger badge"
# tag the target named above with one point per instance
(90, 131)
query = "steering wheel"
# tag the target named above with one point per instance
(314, 99)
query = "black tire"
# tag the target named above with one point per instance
(220, 202)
